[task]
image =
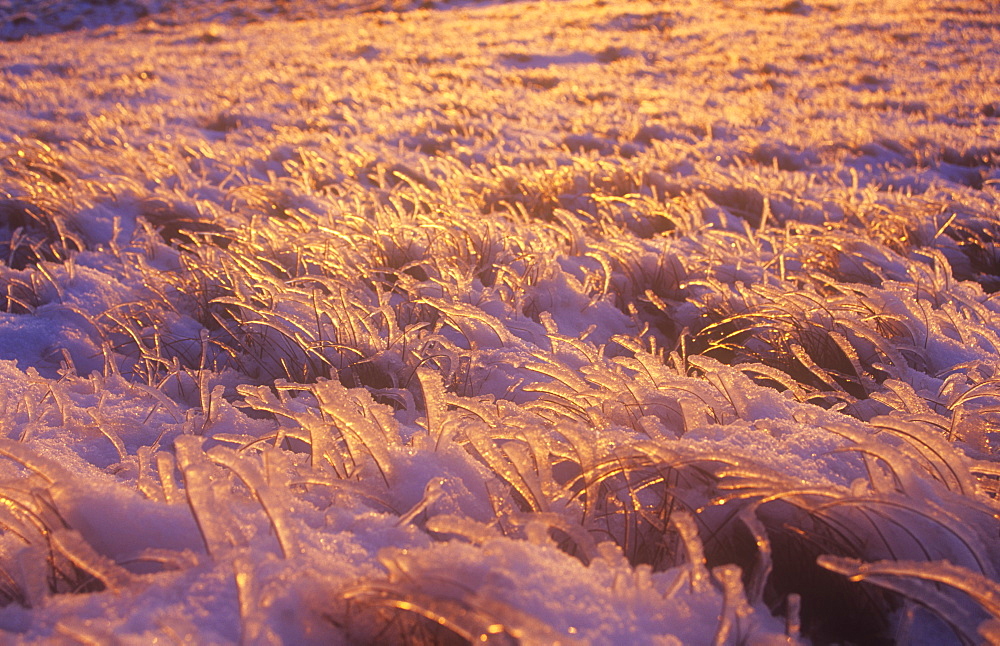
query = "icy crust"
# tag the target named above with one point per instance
(196, 548)
(189, 557)
(529, 322)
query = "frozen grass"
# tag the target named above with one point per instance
(523, 322)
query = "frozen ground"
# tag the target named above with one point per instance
(525, 322)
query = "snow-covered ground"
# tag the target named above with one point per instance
(564, 321)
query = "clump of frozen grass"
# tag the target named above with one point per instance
(57, 560)
(829, 344)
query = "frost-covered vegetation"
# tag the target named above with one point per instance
(528, 322)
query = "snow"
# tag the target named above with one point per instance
(539, 321)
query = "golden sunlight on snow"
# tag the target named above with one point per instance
(525, 322)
